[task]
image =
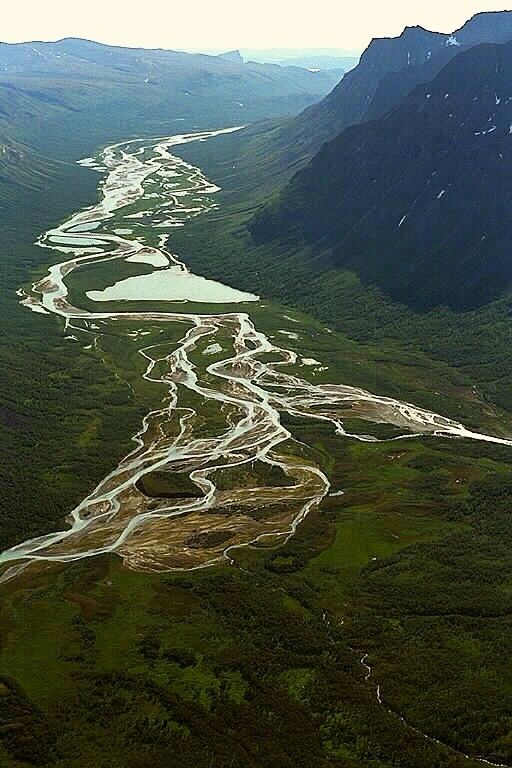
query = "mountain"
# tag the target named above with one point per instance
(416, 56)
(235, 56)
(74, 57)
(64, 98)
(266, 156)
(418, 202)
(312, 61)
(77, 64)
(323, 58)
(491, 27)
(387, 72)
(348, 103)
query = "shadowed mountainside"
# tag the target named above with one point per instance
(387, 73)
(416, 202)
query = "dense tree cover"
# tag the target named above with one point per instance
(441, 611)
(260, 666)
(24, 729)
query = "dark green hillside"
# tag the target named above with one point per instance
(64, 418)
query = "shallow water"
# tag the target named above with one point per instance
(173, 284)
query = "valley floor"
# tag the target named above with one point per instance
(365, 638)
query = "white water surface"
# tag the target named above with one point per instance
(173, 284)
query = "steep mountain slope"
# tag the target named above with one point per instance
(387, 73)
(418, 202)
(348, 103)
(495, 27)
(414, 57)
(278, 150)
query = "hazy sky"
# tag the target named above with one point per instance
(226, 24)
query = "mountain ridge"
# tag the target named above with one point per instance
(431, 178)
(388, 70)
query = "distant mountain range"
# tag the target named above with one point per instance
(306, 58)
(309, 58)
(342, 63)
(63, 98)
(417, 200)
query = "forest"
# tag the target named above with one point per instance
(259, 663)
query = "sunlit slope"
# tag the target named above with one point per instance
(157, 85)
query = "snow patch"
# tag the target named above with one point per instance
(489, 130)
